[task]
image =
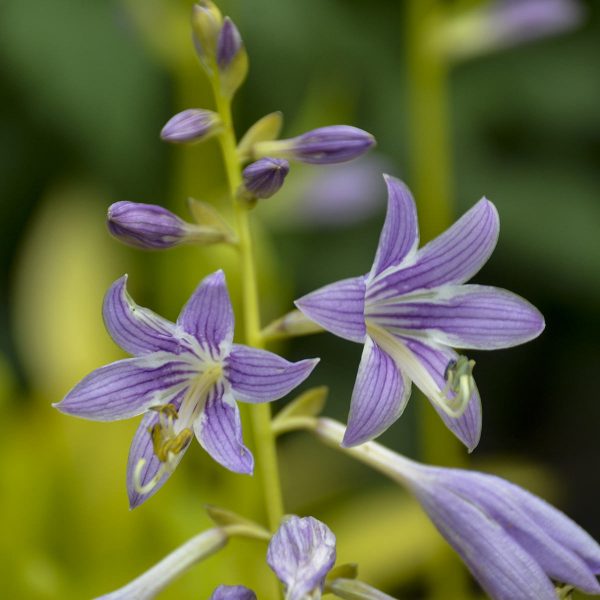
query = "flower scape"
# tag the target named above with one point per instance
(415, 316)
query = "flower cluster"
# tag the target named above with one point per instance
(410, 312)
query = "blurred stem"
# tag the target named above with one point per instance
(432, 182)
(264, 440)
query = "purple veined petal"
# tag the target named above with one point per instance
(232, 592)
(142, 448)
(301, 553)
(463, 316)
(467, 428)
(502, 501)
(503, 568)
(339, 308)
(208, 314)
(400, 235)
(260, 376)
(134, 328)
(453, 257)
(127, 388)
(218, 428)
(379, 397)
(264, 177)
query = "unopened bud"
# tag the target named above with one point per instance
(326, 145)
(265, 177)
(206, 25)
(152, 227)
(232, 59)
(191, 125)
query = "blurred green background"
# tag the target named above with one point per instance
(85, 88)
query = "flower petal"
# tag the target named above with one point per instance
(467, 427)
(453, 257)
(260, 376)
(400, 235)
(127, 388)
(502, 501)
(134, 328)
(339, 308)
(142, 448)
(219, 431)
(301, 553)
(463, 316)
(208, 315)
(379, 397)
(503, 568)
(232, 592)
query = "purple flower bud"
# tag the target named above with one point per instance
(228, 44)
(265, 177)
(191, 125)
(326, 145)
(232, 592)
(146, 226)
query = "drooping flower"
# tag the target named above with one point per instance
(514, 543)
(301, 553)
(232, 592)
(411, 309)
(185, 379)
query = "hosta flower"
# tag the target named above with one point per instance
(514, 543)
(301, 553)
(264, 178)
(411, 309)
(185, 380)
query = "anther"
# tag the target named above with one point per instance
(460, 386)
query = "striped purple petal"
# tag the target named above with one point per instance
(208, 315)
(232, 592)
(127, 388)
(400, 235)
(142, 449)
(219, 431)
(339, 308)
(453, 257)
(379, 397)
(260, 376)
(435, 359)
(134, 328)
(501, 565)
(572, 558)
(301, 553)
(463, 316)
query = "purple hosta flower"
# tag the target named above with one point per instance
(265, 177)
(185, 379)
(153, 227)
(228, 44)
(191, 125)
(301, 553)
(232, 592)
(326, 145)
(409, 312)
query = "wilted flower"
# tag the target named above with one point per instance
(191, 125)
(411, 309)
(185, 379)
(265, 177)
(513, 542)
(232, 592)
(153, 227)
(301, 553)
(325, 145)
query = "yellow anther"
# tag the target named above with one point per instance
(168, 410)
(460, 383)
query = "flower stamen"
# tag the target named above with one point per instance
(460, 385)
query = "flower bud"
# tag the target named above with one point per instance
(152, 227)
(206, 25)
(232, 59)
(265, 177)
(191, 125)
(326, 145)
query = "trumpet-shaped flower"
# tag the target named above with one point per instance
(185, 380)
(412, 309)
(301, 553)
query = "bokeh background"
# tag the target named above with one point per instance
(85, 87)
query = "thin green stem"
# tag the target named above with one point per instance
(264, 440)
